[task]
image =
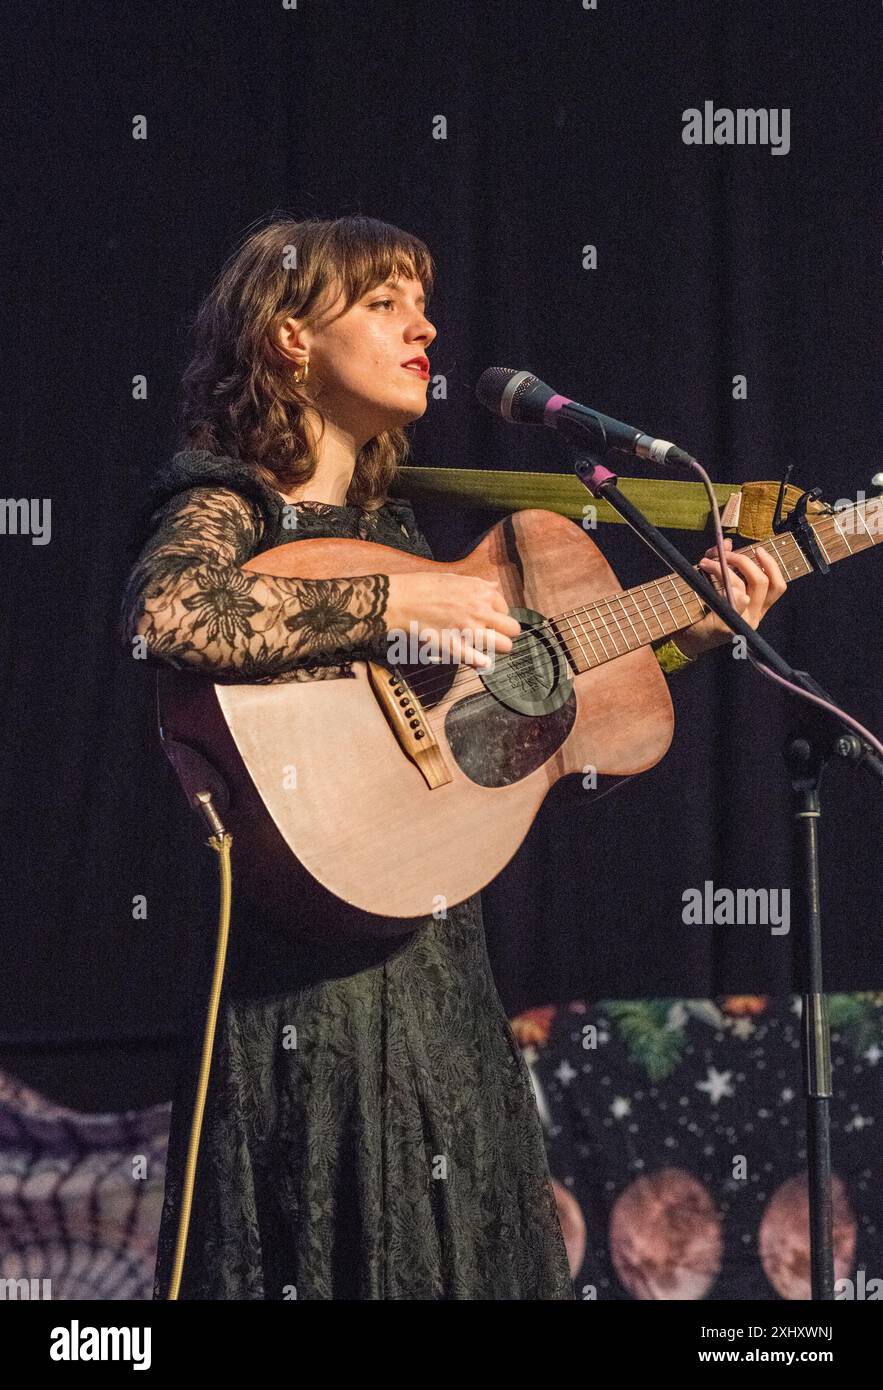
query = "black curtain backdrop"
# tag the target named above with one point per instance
(563, 130)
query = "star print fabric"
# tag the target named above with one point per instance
(677, 1129)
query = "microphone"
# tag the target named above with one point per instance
(522, 399)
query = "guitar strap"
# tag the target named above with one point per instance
(747, 509)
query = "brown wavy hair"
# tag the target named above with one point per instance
(239, 397)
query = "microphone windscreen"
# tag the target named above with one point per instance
(491, 385)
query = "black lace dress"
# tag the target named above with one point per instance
(396, 1152)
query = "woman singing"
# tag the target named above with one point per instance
(396, 1152)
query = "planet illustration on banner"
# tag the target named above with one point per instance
(783, 1241)
(665, 1237)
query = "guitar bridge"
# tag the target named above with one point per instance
(408, 722)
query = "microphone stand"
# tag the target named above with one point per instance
(816, 738)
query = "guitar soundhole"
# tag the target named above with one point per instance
(533, 677)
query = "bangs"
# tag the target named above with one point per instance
(363, 252)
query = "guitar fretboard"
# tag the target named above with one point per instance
(634, 618)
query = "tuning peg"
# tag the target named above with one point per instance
(877, 483)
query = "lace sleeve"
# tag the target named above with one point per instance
(194, 606)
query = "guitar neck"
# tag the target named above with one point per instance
(620, 623)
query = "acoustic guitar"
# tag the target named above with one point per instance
(402, 790)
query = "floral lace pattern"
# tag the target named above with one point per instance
(193, 606)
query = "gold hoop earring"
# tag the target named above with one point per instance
(302, 375)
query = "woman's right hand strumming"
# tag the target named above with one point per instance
(464, 619)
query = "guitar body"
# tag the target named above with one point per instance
(321, 791)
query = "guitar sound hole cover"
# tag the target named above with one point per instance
(532, 678)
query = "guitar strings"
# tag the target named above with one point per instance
(425, 684)
(613, 631)
(598, 628)
(827, 528)
(585, 629)
(466, 678)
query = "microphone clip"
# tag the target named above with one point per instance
(591, 470)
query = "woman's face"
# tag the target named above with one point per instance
(358, 375)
